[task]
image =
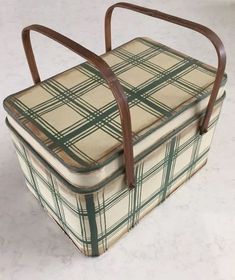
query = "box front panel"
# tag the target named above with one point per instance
(95, 221)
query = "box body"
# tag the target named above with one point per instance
(95, 219)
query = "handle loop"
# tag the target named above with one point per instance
(215, 40)
(107, 74)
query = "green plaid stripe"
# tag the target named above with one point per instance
(69, 112)
(94, 221)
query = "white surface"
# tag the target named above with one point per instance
(190, 236)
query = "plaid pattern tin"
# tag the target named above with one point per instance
(74, 165)
(94, 221)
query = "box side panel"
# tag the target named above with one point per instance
(67, 208)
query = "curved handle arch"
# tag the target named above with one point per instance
(107, 74)
(215, 40)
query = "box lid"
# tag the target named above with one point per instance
(73, 122)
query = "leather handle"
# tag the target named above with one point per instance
(107, 74)
(215, 40)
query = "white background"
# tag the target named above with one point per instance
(190, 236)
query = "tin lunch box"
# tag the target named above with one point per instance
(103, 143)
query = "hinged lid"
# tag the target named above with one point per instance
(72, 119)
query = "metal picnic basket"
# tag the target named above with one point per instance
(104, 142)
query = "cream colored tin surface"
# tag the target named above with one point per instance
(68, 138)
